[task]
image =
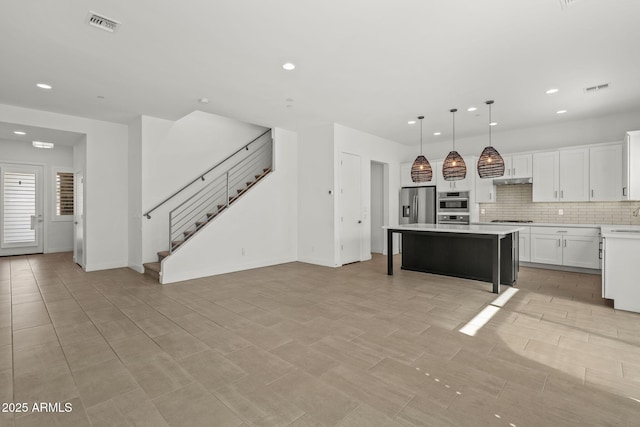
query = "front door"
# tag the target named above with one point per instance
(351, 216)
(21, 209)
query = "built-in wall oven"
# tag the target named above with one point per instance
(453, 207)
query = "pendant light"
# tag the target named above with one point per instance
(490, 163)
(421, 169)
(454, 168)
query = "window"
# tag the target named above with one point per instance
(64, 193)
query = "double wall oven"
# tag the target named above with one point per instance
(453, 207)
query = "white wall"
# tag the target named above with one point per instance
(258, 230)
(106, 242)
(372, 148)
(173, 154)
(317, 235)
(135, 195)
(548, 137)
(58, 233)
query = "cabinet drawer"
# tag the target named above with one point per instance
(571, 231)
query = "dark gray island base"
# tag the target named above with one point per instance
(485, 253)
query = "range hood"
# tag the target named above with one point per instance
(512, 181)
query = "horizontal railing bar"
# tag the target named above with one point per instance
(201, 176)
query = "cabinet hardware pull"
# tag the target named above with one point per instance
(555, 194)
(591, 193)
(562, 194)
(565, 243)
(558, 242)
(624, 191)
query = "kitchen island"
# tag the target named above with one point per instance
(478, 252)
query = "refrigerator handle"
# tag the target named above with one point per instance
(415, 207)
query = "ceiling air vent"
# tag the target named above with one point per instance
(565, 4)
(594, 89)
(102, 22)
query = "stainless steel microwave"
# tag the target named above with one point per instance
(457, 201)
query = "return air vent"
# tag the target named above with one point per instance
(594, 89)
(102, 22)
(565, 4)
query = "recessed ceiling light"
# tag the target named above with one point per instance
(561, 111)
(493, 124)
(411, 122)
(289, 66)
(471, 109)
(203, 101)
(551, 91)
(19, 132)
(436, 133)
(40, 144)
(44, 86)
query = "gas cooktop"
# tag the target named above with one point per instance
(513, 220)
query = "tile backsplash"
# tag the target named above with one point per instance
(514, 202)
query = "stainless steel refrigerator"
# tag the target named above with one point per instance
(418, 205)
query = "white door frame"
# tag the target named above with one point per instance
(40, 219)
(79, 235)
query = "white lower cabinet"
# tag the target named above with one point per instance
(524, 244)
(570, 246)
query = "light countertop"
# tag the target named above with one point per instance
(500, 229)
(621, 231)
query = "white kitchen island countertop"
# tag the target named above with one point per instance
(499, 230)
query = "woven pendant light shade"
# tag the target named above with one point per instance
(490, 163)
(421, 168)
(453, 167)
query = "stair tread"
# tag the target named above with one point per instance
(154, 266)
(163, 254)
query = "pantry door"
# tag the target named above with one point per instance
(21, 209)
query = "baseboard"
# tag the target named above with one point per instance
(137, 268)
(57, 250)
(561, 268)
(317, 261)
(168, 278)
(105, 266)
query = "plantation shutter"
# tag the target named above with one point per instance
(64, 193)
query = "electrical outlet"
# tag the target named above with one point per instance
(560, 212)
(242, 251)
(482, 211)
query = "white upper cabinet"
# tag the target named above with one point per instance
(546, 179)
(518, 166)
(605, 177)
(466, 184)
(631, 166)
(574, 175)
(561, 176)
(485, 190)
(405, 176)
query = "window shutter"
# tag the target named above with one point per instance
(64, 193)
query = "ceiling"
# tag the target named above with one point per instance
(33, 133)
(369, 65)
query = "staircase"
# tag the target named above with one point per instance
(228, 180)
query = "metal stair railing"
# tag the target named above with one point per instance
(257, 141)
(216, 196)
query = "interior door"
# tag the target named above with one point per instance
(78, 230)
(351, 215)
(21, 209)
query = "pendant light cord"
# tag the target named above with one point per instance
(453, 112)
(420, 135)
(490, 125)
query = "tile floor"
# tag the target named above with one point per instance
(302, 345)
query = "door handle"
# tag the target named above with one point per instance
(33, 222)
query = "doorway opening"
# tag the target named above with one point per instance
(379, 205)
